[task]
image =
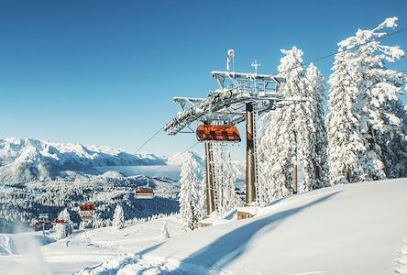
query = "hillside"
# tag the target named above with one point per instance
(347, 229)
(44, 177)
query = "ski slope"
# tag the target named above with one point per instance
(348, 229)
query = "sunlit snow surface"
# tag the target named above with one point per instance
(347, 229)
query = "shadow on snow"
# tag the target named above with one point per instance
(231, 246)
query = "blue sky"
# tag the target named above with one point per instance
(105, 72)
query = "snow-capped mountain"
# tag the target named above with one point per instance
(179, 158)
(44, 177)
(27, 160)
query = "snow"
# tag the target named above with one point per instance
(82, 249)
(390, 22)
(347, 229)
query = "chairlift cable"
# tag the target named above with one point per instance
(148, 140)
(342, 51)
(189, 148)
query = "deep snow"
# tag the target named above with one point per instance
(347, 229)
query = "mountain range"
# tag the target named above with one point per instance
(28, 160)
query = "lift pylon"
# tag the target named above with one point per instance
(239, 95)
(250, 157)
(210, 198)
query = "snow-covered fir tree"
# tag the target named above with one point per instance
(65, 227)
(189, 194)
(97, 221)
(313, 142)
(118, 217)
(230, 197)
(224, 179)
(202, 202)
(294, 133)
(164, 232)
(366, 120)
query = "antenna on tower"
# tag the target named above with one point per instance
(231, 53)
(255, 65)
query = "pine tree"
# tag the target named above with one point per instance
(224, 179)
(64, 229)
(118, 217)
(313, 142)
(230, 198)
(202, 201)
(294, 133)
(164, 232)
(189, 199)
(366, 118)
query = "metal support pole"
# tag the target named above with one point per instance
(210, 201)
(250, 171)
(347, 173)
(295, 168)
(295, 184)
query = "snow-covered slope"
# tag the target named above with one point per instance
(348, 229)
(83, 249)
(25, 160)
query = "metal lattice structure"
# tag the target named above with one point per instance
(227, 103)
(239, 97)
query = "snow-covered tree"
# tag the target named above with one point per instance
(230, 197)
(118, 217)
(366, 118)
(164, 232)
(224, 179)
(202, 201)
(189, 194)
(294, 133)
(65, 228)
(97, 222)
(313, 141)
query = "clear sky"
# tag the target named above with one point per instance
(104, 72)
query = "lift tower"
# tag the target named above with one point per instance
(239, 98)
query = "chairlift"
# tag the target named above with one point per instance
(144, 194)
(40, 225)
(221, 133)
(87, 211)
